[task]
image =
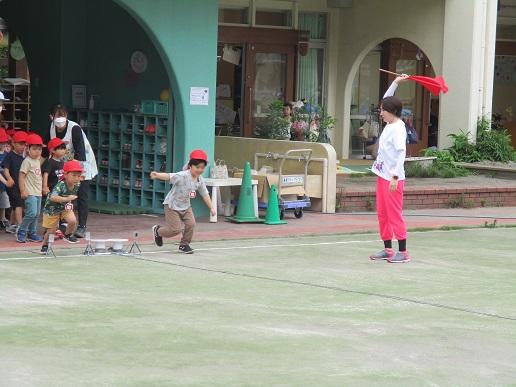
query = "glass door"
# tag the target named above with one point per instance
(405, 57)
(270, 73)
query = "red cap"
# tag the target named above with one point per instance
(10, 131)
(3, 136)
(151, 128)
(54, 143)
(34, 139)
(199, 154)
(72, 166)
(20, 136)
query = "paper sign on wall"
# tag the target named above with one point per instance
(199, 96)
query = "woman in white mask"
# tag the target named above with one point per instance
(78, 148)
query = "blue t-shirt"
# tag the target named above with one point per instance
(2, 157)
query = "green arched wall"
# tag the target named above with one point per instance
(185, 34)
(57, 35)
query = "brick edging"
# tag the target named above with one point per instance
(432, 198)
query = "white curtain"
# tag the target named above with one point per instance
(308, 77)
(310, 70)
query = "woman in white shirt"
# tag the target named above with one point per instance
(389, 167)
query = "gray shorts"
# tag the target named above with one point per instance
(4, 200)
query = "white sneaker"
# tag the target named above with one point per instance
(12, 229)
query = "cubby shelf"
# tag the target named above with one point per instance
(120, 140)
(17, 113)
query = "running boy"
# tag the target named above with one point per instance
(178, 210)
(11, 164)
(58, 205)
(4, 198)
(30, 183)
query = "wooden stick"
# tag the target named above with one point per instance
(389, 72)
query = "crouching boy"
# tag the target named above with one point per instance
(58, 205)
(178, 210)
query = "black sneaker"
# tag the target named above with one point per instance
(70, 238)
(185, 249)
(44, 250)
(157, 238)
(80, 232)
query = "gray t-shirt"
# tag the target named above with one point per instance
(183, 189)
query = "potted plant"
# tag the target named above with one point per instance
(276, 126)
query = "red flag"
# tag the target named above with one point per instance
(433, 85)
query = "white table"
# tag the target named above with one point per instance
(216, 196)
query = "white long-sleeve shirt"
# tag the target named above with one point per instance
(391, 90)
(392, 147)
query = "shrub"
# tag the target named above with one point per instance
(443, 166)
(462, 149)
(492, 144)
(495, 145)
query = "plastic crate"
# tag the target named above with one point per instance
(158, 108)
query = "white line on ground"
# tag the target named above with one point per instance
(263, 246)
(207, 249)
(284, 245)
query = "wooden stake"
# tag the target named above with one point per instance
(389, 72)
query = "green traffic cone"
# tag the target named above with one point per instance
(245, 211)
(273, 213)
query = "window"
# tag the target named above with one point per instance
(235, 12)
(311, 67)
(310, 85)
(273, 17)
(258, 13)
(234, 15)
(315, 23)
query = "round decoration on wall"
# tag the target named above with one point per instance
(164, 95)
(16, 50)
(139, 62)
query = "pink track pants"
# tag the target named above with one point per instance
(389, 206)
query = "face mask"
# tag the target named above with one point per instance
(60, 121)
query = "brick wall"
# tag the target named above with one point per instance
(430, 198)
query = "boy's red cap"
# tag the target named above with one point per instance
(34, 139)
(54, 143)
(20, 136)
(72, 166)
(199, 154)
(10, 131)
(3, 136)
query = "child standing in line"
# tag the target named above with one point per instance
(389, 167)
(59, 204)
(53, 166)
(31, 182)
(4, 198)
(11, 164)
(178, 210)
